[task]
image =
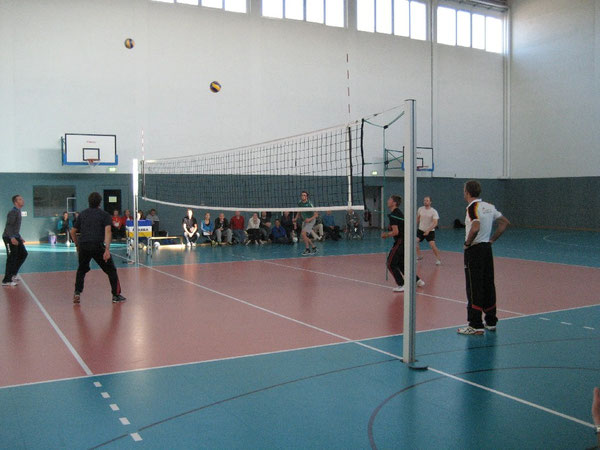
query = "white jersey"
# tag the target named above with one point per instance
(426, 218)
(484, 213)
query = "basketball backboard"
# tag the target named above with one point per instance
(78, 149)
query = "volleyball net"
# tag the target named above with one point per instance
(328, 164)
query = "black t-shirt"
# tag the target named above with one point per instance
(91, 224)
(397, 218)
(189, 223)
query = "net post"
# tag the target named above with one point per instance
(408, 355)
(349, 166)
(135, 183)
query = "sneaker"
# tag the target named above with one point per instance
(188, 245)
(490, 327)
(419, 258)
(9, 283)
(118, 298)
(68, 243)
(314, 250)
(420, 283)
(16, 279)
(438, 263)
(193, 244)
(247, 242)
(306, 252)
(77, 297)
(470, 331)
(399, 289)
(213, 243)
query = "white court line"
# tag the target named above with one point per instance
(105, 395)
(566, 323)
(589, 328)
(124, 421)
(377, 350)
(114, 406)
(377, 285)
(136, 437)
(544, 318)
(97, 384)
(79, 359)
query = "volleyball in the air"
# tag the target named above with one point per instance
(215, 86)
(129, 43)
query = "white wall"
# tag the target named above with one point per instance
(555, 88)
(64, 69)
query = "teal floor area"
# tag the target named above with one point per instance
(581, 248)
(342, 396)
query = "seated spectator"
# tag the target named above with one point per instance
(222, 229)
(118, 225)
(265, 225)
(253, 230)
(329, 228)
(141, 215)
(153, 217)
(317, 231)
(353, 224)
(288, 223)
(75, 216)
(237, 223)
(64, 226)
(279, 235)
(206, 230)
(126, 216)
(190, 229)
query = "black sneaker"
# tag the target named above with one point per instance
(314, 250)
(118, 298)
(77, 297)
(306, 252)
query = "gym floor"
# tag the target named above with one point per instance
(256, 347)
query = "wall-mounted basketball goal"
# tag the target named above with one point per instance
(89, 149)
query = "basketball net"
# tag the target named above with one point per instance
(92, 162)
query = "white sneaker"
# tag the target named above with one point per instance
(399, 289)
(9, 283)
(470, 331)
(16, 279)
(420, 283)
(188, 245)
(490, 327)
(438, 263)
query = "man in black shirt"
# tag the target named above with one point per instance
(15, 245)
(395, 261)
(94, 226)
(190, 228)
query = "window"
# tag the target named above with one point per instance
(272, 8)
(328, 12)
(446, 26)
(400, 17)
(51, 201)
(469, 30)
(478, 31)
(463, 28)
(239, 6)
(315, 11)
(493, 35)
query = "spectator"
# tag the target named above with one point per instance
(190, 228)
(288, 223)
(222, 229)
(317, 231)
(329, 228)
(279, 235)
(75, 216)
(206, 230)
(126, 216)
(237, 227)
(153, 217)
(118, 225)
(140, 215)
(265, 225)
(253, 230)
(64, 226)
(353, 224)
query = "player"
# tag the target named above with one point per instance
(308, 223)
(94, 226)
(427, 220)
(15, 245)
(479, 261)
(395, 260)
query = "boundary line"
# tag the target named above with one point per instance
(63, 338)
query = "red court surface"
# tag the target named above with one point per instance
(191, 313)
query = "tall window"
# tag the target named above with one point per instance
(239, 6)
(51, 201)
(400, 17)
(328, 12)
(469, 29)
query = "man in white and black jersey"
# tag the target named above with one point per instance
(479, 260)
(427, 221)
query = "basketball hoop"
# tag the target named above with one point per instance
(92, 162)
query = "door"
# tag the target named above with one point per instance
(373, 204)
(112, 200)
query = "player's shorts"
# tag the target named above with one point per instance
(429, 238)
(307, 227)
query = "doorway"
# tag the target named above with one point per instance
(112, 200)
(373, 204)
